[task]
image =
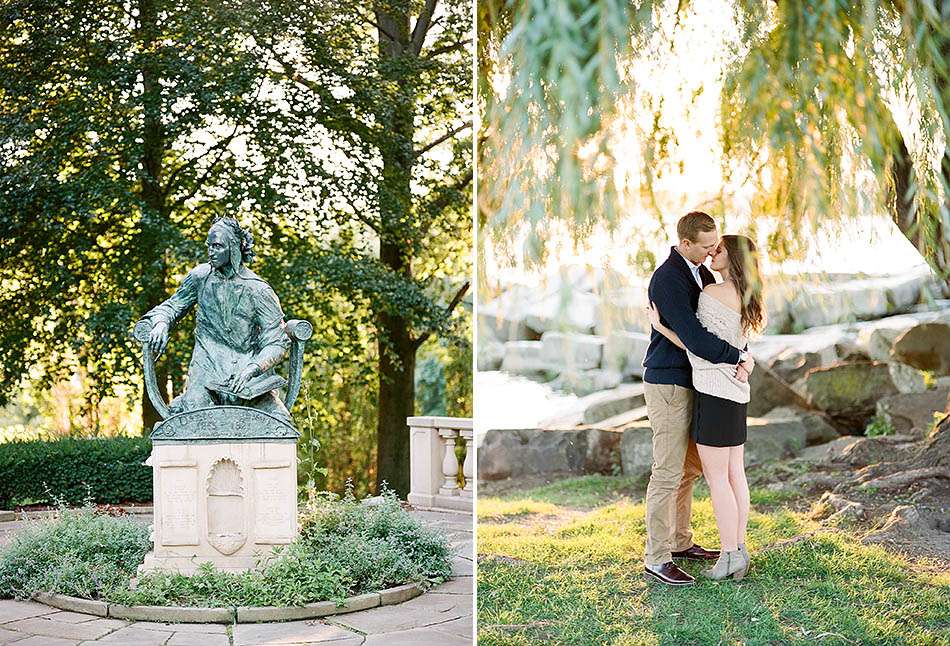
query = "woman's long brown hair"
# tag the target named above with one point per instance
(744, 272)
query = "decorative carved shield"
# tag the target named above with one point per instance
(226, 531)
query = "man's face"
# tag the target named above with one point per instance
(218, 253)
(705, 245)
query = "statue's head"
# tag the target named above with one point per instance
(229, 245)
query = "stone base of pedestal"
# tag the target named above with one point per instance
(224, 502)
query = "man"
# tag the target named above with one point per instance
(674, 289)
(239, 333)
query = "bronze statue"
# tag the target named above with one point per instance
(240, 333)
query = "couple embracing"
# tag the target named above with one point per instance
(696, 386)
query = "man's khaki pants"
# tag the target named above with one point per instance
(676, 466)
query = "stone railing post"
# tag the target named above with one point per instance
(434, 467)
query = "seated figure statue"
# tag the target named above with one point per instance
(239, 330)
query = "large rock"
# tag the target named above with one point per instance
(491, 354)
(622, 310)
(586, 382)
(818, 428)
(562, 309)
(836, 303)
(524, 358)
(769, 391)
(771, 439)
(767, 439)
(906, 378)
(636, 449)
(598, 407)
(925, 346)
(908, 412)
(624, 352)
(531, 452)
(849, 392)
(503, 317)
(568, 350)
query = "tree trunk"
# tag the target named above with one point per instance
(154, 209)
(397, 351)
(397, 395)
(902, 207)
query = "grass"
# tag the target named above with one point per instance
(579, 581)
(345, 548)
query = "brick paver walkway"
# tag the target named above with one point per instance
(440, 617)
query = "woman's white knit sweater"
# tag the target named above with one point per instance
(719, 379)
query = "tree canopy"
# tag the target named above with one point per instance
(341, 140)
(828, 109)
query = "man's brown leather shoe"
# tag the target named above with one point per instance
(696, 553)
(669, 574)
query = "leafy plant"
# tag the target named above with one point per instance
(879, 426)
(104, 470)
(80, 553)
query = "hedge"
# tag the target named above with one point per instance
(105, 470)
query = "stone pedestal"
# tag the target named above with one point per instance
(218, 496)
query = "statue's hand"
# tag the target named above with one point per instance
(158, 338)
(246, 375)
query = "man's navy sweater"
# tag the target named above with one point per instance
(676, 295)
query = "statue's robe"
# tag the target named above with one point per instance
(238, 322)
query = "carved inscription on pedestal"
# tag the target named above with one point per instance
(274, 503)
(179, 492)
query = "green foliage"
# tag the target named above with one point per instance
(828, 109)
(346, 548)
(879, 426)
(106, 470)
(377, 546)
(79, 553)
(339, 133)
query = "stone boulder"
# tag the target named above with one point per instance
(824, 304)
(906, 378)
(586, 382)
(524, 358)
(612, 403)
(769, 391)
(622, 310)
(913, 412)
(926, 347)
(767, 439)
(848, 392)
(818, 428)
(491, 354)
(571, 351)
(772, 439)
(531, 452)
(503, 316)
(562, 309)
(624, 352)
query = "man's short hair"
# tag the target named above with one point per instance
(692, 223)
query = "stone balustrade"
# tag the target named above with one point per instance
(434, 465)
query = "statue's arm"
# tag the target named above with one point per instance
(181, 301)
(274, 343)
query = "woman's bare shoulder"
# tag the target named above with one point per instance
(725, 293)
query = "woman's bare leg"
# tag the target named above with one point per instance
(740, 489)
(716, 470)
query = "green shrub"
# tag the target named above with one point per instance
(104, 470)
(79, 553)
(346, 548)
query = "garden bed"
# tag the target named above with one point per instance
(349, 556)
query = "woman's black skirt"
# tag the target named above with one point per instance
(718, 421)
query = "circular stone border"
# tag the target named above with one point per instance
(231, 614)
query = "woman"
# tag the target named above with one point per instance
(732, 310)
